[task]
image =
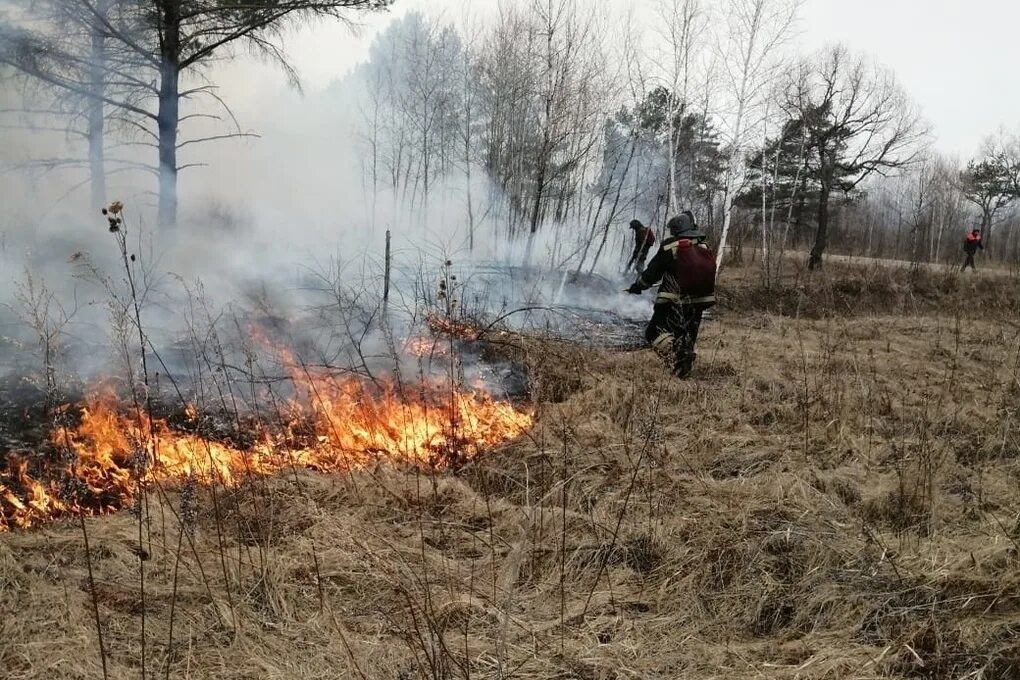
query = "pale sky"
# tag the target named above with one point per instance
(956, 58)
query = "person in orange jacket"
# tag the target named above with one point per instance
(972, 244)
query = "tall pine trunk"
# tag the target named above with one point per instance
(822, 235)
(168, 117)
(467, 156)
(97, 111)
(986, 227)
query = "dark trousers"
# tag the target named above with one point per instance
(969, 262)
(639, 261)
(673, 332)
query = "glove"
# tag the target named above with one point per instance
(635, 289)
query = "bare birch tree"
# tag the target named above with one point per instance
(570, 65)
(948, 203)
(682, 24)
(469, 118)
(543, 73)
(749, 52)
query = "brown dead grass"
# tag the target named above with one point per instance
(869, 287)
(826, 498)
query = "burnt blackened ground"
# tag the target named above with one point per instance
(27, 412)
(29, 415)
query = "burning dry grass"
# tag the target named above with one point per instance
(102, 456)
(826, 498)
(112, 454)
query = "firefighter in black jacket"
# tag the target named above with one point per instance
(686, 267)
(644, 239)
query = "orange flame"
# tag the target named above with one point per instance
(115, 452)
(426, 347)
(452, 327)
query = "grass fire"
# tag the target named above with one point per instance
(509, 340)
(113, 450)
(117, 450)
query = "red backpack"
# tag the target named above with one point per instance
(694, 268)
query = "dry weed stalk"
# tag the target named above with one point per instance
(43, 312)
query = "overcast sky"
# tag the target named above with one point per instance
(957, 58)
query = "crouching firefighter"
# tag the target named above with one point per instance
(686, 267)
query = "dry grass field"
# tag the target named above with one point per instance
(835, 493)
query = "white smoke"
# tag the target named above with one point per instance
(275, 218)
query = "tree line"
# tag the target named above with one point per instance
(556, 120)
(580, 126)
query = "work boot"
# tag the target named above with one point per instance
(663, 347)
(684, 364)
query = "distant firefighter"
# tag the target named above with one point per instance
(686, 267)
(972, 244)
(644, 239)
